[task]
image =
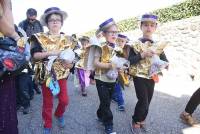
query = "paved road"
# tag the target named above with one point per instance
(80, 115)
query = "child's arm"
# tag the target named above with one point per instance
(134, 57)
(99, 64)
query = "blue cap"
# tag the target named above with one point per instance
(122, 36)
(106, 24)
(149, 17)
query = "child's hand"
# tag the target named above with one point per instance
(67, 64)
(111, 66)
(54, 53)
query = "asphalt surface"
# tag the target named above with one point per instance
(80, 115)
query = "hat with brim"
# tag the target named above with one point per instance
(84, 38)
(106, 24)
(123, 37)
(149, 17)
(52, 10)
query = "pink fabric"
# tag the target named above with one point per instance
(83, 76)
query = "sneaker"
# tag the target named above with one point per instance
(31, 97)
(144, 128)
(114, 100)
(61, 121)
(37, 89)
(26, 110)
(108, 129)
(135, 128)
(46, 131)
(84, 93)
(18, 107)
(121, 108)
(188, 119)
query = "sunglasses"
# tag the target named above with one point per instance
(31, 20)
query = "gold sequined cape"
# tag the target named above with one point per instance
(142, 68)
(51, 43)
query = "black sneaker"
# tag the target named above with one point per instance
(37, 89)
(18, 107)
(108, 129)
(31, 97)
(84, 94)
(26, 110)
(121, 108)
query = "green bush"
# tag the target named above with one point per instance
(183, 10)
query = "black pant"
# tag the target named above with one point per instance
(24, 89)
(193, 102)
(92, 74)
(105, 91)
(144, 89)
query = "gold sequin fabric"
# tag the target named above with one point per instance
(106, 55)
(82, 63)
(142, 68)
(1, 35)
(52, 43)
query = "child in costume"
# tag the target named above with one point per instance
(51, 52)
(105, 71)
(82, 72)
(140, 65)
(122, 79)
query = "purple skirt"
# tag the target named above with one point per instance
(8, 113)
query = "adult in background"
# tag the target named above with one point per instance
(32, 26)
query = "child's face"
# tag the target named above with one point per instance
(111, 34)
(148, 28)
(54, 22)
(121, 42)
(84, 43)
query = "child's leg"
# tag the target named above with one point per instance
(120, 98)
(193, 102)
(81, 76)
(105, 91)
(142, 105)
(47, 106)
(63, 98)
(114, 95)
(87, 78)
